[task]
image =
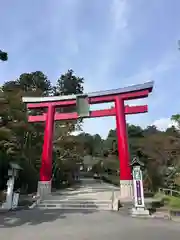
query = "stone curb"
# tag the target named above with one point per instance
(158, 216)
(153, 217)
(34, 203)
(165, 217)
(4, 211)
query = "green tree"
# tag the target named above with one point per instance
(36, 82)
(69, 84)
(176, 119)
(68, 152)
(18, 138)
(3, 56)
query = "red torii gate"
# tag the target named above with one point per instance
(118, 96)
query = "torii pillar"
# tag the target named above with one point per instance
(44, 185)
(123, 150)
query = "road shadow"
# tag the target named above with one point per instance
(37, 216)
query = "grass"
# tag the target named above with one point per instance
(169, 201)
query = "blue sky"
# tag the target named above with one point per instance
(111, 43)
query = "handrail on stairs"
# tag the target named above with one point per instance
(168, 191)
(112, 199)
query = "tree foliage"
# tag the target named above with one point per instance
(3, 56)
(18, 138)
(160, 152)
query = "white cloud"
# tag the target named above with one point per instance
(162, 65)
(157, 97)
(164, 123)
(63, 17)
(119, 12)
(116, 41)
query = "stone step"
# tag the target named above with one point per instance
(78, 200)
(93, 189)
(81, 196)
(76, 204)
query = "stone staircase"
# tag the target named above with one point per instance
(74, 204)
(89, 195)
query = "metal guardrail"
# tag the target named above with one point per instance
(169, 192)
(112, 199)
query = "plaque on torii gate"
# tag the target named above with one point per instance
(82, 103)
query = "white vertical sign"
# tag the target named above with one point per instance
(10, 186)
(15, 200)
(138, 187)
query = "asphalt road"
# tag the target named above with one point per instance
(85, 225)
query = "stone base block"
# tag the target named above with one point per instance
(44, 189)
(126, 190)
(140, 212)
